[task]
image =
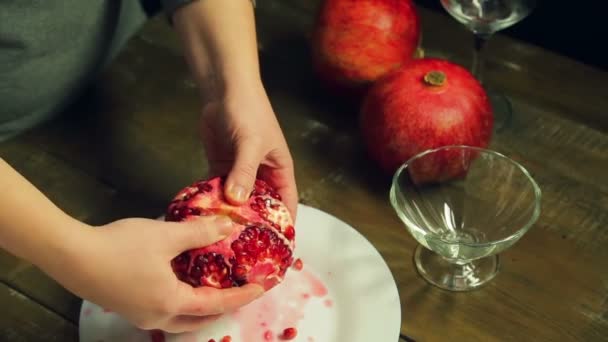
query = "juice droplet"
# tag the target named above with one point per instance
(317, 286)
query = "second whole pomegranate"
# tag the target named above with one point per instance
(426, 104)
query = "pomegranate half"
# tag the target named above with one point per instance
(260, 250)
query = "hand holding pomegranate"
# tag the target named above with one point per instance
(243, 140)
(124, 266)
(240, 132)
(129, 272)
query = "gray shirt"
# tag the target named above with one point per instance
(49, 50)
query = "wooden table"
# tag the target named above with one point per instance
(131, 143)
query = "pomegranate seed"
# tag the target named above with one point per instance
(157, 336)
(297, 265)
(290, 333)
(268, 335)
(226, 339)
(211, 340)
(290, 233)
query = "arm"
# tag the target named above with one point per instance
(220, 45)
(31, 226)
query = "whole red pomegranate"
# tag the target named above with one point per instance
(426, 104)
(260, 250)
(355, 42)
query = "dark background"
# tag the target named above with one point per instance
(576, 28)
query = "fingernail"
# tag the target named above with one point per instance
(224, 225)
(238, 193)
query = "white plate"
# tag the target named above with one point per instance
(345, 292)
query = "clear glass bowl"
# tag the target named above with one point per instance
(464, 205)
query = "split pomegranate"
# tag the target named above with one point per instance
(260, 250)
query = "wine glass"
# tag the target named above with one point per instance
(464, 205)
(484, 18)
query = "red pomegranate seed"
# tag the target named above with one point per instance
(206, 187)
(290, 333)
(211, 340)
(290, 233)
(298, 265)
(226, 339)
(157, 336)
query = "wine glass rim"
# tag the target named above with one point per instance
(517, 233)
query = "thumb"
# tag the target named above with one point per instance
(239, 182)
(199, 232)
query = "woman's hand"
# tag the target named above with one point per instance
(243, 140)
(241, 134)
(125, 267)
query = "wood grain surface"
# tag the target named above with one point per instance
(132, 141)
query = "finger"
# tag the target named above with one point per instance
(180, 324)
(289, 193)
(283, 180)
(205, 301)
(241, 178)
(200, 232)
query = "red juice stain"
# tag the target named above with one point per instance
(87, 312)
(310, 339)
(317, 286)
(268, 336)
(328, 303)
(107, 310)
(189, 337)
(157, 336)
(226, 339)
(282, 307)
